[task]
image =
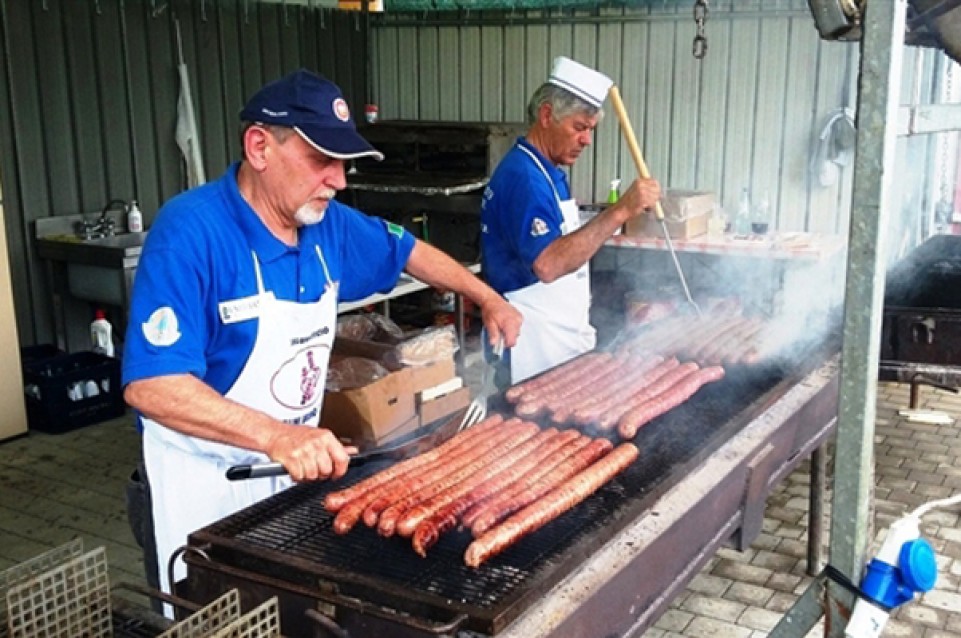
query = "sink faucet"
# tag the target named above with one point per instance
(103, 226)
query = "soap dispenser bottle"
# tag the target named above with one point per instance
(134, 218)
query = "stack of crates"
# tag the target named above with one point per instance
(68, 391)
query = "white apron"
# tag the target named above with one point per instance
(284, 377)
(556, 315)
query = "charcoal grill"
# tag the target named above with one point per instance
(921, 326)
(770, 416)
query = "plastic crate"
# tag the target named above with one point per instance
(69, 391)
(30, 355)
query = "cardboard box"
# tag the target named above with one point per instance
(679, 205)
(686, 214)
(424, 377)
(411, 425)
(370, 413)
(440, 407)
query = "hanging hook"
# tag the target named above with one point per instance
(699, 48)
(96, 4)
(283, 4)
(203, 10)
(246, 13)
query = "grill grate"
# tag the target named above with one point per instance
(289, 536)
(68, 601)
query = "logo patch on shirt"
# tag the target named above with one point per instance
(395, 229)
(162, 329)
(538, 227)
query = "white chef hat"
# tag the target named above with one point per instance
(586, 83)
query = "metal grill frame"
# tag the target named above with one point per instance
(346, 588)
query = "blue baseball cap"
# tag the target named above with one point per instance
(313, 106)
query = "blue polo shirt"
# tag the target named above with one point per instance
(198, 254)
(520, 217)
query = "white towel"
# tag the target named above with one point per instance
(188, 138)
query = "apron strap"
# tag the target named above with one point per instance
(557, 196)
(323, 262)
(260, 279)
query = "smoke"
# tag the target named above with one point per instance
(798, 294)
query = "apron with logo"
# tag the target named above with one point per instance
(556, 315)
(284, 376)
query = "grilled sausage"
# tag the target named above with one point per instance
(545, 393)
(569, 369)
(571, 493)
(672, 397)
(334, 501)
(448, 491)
(563, 406)
(571, 466)
(444, 518)
(665, 381)
(524, 482)
(419, 490)
(350, 513)
(741, 335)
(643, 374)
(401, 491)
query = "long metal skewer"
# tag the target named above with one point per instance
(631, 139)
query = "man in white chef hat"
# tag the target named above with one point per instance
(534, 250)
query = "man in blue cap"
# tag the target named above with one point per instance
(234, 309)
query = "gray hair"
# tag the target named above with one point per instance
(281, 133)
(563, 103)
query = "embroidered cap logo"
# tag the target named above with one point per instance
(341, 110)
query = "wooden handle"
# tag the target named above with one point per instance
(631, 140)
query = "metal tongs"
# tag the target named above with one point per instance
(631, 140)
(477, 410)
(408, 446)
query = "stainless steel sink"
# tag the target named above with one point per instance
(119, 251)
(99, 270)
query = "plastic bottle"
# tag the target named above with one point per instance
(614, 193)
(742, 220)
(716, 224)
(101, 334)
(762, 215)
(134, 218)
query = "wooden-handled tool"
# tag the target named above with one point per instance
(631, 140)
(635, 149)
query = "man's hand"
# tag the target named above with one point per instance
(640, 196)
(501, 320)
(309, 453)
